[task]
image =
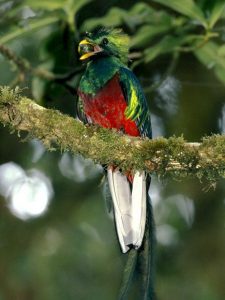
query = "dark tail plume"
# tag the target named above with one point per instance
(142, 260)
(146, 256)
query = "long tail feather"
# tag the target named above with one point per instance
(128, 274)
(135, 226)
(121, 196)
(138, 208)
(129, 208)
(146, 255)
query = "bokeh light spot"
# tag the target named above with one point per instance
(27, 193)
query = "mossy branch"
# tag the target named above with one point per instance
(173, 156)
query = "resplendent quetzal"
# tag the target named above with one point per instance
(111, 96)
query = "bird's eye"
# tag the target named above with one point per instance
(87, 34)
(105, 41)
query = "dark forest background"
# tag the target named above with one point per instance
(57, 240)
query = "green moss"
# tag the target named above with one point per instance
(171, 158)
(9, 96)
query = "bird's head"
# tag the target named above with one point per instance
(105, 42)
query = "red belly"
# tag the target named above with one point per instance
(107, 108)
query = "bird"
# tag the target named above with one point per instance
(111, 96)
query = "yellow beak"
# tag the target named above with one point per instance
(81, 47)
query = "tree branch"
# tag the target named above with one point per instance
(23, 65)
(173, 156)
(24, 68)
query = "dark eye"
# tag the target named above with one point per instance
(105, 41)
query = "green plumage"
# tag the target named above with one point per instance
(98, 73)
(137, 109)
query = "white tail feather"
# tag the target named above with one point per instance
(121, 196)
(130, 209)
(138, 208)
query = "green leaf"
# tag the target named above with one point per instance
(166, 45)
(186, 7)
(158, 22)
(210, 55)
(221, 51)
(216, 13)
(145, 34)
(114, 17)
(137, 15)
(33, 25)
(220, 73)
(38, 88)
(142, 9)
(70, 7)
(45, 5)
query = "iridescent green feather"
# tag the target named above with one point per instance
(137, 109)
(98, 73)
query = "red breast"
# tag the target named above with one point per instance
(107, 108)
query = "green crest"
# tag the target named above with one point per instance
(114, 42)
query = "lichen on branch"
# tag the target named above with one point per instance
(173, 157)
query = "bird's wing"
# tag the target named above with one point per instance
(137, 107)
(79, 111)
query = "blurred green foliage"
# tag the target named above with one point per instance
(71, 251)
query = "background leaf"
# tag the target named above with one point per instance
(186, 7)
(114, 17)
(216, 13)
(36, 24)
(157, 23)
(166, 45)
(145, 34)
(138, 14)
(50, 5)
(70, 7)
(212, 56)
